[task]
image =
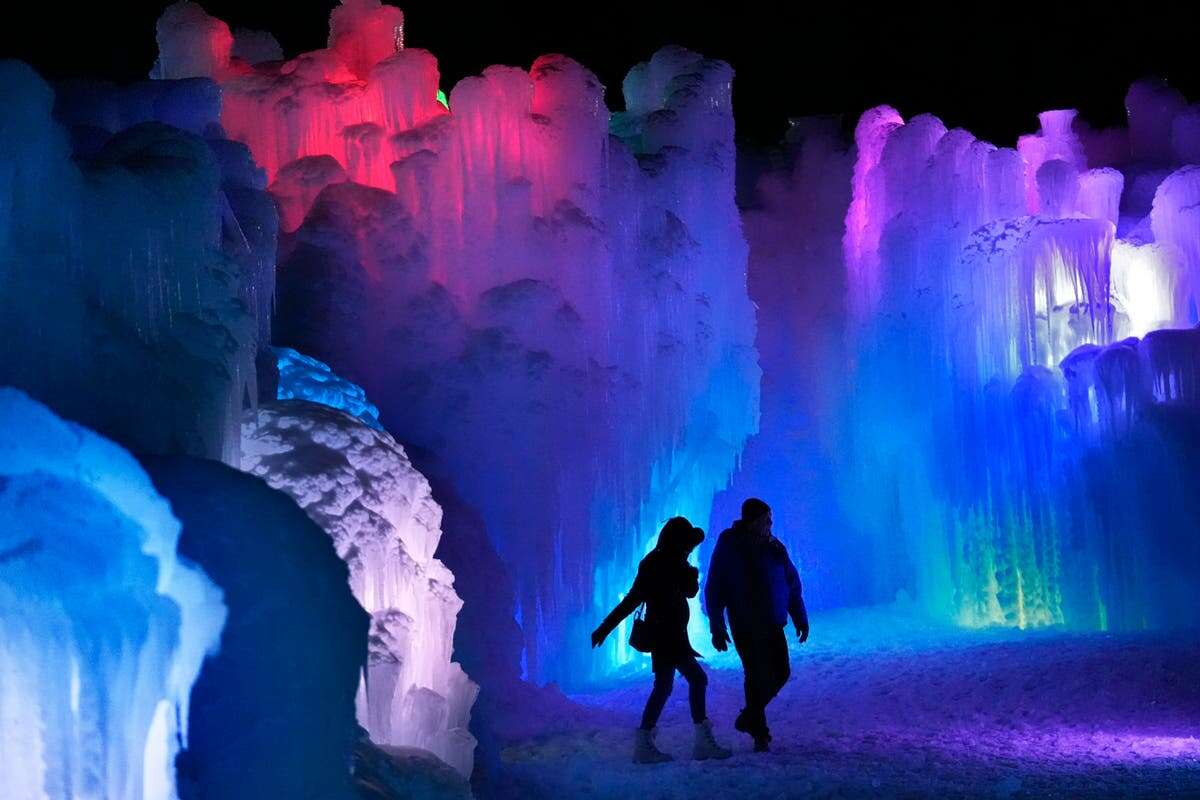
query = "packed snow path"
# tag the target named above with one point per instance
(881, 704)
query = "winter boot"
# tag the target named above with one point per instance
(706, 746)
(644, 749)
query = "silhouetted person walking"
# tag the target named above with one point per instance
(664, 582)
(751, 578)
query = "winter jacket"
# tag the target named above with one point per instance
(664, 583)
(751, 578)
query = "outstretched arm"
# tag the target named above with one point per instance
(636, 596)
(716, 595)
(796, 609)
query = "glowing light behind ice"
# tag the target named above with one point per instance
(973, 274)
(1175, 221)
(102, 627)
(1142, 287)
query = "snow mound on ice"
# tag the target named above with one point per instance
(357, 483)
(384, 773)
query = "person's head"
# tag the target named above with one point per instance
(756, 515)
(679, 536)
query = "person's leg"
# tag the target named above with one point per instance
(697, 686)
(664, 680)
(780, 661)
(747, 642)
(777, 668)
(741, 645)
(706, 746)
(645, 751)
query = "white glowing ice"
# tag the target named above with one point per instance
(357, 483)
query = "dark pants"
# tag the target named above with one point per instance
(764, 653)
(665, 664)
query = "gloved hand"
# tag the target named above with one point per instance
(802, 633)
(720, 640)
(598, 637)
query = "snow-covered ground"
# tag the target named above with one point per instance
(883, 704)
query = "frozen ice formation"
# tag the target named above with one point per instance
(522, 274)
(994, 387)
(139, 318)
(272, 714)
(305, 378)
(357, 483)
(799, 294)
(103, 626)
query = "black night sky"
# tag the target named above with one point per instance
(989, 68)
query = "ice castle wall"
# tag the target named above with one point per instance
(558, 313)
(139, 318)
(799, 293)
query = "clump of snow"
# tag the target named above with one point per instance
(191, 44)
(386, 773)
(365, 32)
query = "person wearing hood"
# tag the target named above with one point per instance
(665, 580)
(753, 581)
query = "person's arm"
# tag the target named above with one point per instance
(635, 597)
(796, 609)
(691, 581)
(715, 595)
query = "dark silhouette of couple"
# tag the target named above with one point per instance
(752, 581)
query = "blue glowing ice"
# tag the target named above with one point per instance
(302, 377)
(103, 627)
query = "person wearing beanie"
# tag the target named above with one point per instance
(752, 580)
(665, 580)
